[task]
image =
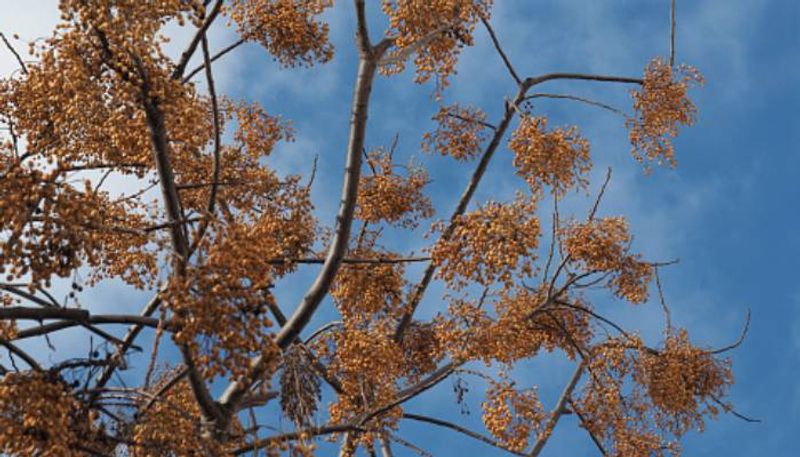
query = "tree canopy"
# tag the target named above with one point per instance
(212, 230)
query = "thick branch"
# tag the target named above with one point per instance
(180, 67)
(344, 220)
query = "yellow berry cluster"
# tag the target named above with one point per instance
(436, 29)
(288, 29)
(660, 106)
(558, 158)
(601, 245)
(492, 244)
(460, 132)
(388, 196)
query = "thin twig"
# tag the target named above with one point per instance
(460, 429)
(216, 56)
(741, 338)
(588, 101)
(667, 314)
(558, 410)
(600, 194)
(586, 426)
(16, 54)
(13, 349)
(499, 49)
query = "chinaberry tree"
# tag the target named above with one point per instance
(211, 229)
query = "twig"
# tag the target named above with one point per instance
(402, 442)
(458, 428)
(667, 314)
(586, 425)
(729, 409)
(739, 340)
(600, 194)
(13, 349)
(558, 410)
(499, 49)
(16, 54)
(216, 56)
(588, 101)
(533, 81)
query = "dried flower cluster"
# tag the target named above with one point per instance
(661, 105)
(601, 245)
(639, 402)
(172, 425)
(460, 132)
(288, 29)
(39, 417)
(512, 415)
(523, 324)
(558, 158)
(436, 30)
(494, 243)
(387, 196)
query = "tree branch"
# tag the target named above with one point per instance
(180, 67)
(461, 207)
(533, 81)
(458, 428)
(341, 235)
(499, 49)
(555, 415)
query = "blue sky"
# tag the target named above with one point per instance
(729, 211)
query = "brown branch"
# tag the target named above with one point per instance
(386, 448)
(741, 338)
(180, 67)
(586, 426)
(215, 168)
(13, 349)
(672, 34)
(468, 119)
(216, 56)
(402, 442)
(16, 54)
(461, 207)
(499, 49)
(341, 235)
(158, 136)
(159, 394)
(127, 343)
(600, 194)
(362, 34)
(588, 101)
(297, 434)
(729, 409)
(664, 307)
(378, 261)
(407, 394)
(22, 312)
(533, 81)
(460, 429)
(558, 411)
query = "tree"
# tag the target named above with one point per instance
(101, 100)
